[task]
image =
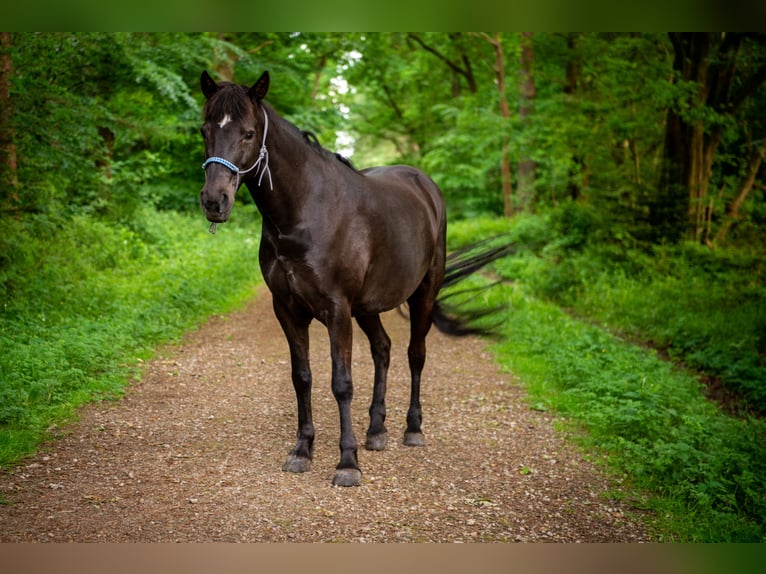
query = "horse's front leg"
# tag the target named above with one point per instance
(296, 331)
(347, 472)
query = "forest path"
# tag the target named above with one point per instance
(193, 453)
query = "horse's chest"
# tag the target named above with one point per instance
(297, 282)
(311, 274)
(298, 279)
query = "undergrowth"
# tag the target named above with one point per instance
(577, 300)
(84, 302)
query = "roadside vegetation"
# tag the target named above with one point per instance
(85, 304)
(618, 342)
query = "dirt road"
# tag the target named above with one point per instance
(193, 453)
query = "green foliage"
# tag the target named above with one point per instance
(651, 419)
(433, 117)
(95, 115)
(704, 472)
(714, 321)
(705, 308)
(82, 306)
(595, 131)
(463, 161)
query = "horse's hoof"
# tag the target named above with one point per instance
(376, 441)
(414, 439)
(347, 477)
(296, 464)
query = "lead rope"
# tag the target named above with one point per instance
(263, 156)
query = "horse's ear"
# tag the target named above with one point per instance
(208, 85)
(259, 89)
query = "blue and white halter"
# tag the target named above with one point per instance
(263, 156)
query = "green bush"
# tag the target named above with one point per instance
(706, 470)
(705, 308)
(701, 471)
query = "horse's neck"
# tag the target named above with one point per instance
(290, 162)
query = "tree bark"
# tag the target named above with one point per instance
(579, 169)
(9, 181)
(320, 66)
(709, 62)
(747, 184)
(525, 187)
(505, 112)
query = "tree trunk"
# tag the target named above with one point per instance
(505, 112)
(633, 148)
(732, 210)
(505, 158)
(685, 175)
(223, 61)
(579, 167)
(320, 66)
(9, 181)
(525, 187)
(709, 61)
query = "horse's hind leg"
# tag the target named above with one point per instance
(380, 347)
(421, 304)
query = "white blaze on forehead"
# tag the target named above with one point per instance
(226, 119)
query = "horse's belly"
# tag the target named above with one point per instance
(386, 289)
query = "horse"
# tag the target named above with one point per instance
(337, 244)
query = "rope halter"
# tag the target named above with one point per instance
(263, 157)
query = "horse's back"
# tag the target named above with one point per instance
(404, 187)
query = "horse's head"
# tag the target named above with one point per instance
(234, 133)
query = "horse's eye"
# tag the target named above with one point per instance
(202, 133)
(249, 135)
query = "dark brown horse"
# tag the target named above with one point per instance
(336, 244)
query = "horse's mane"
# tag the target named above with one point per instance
(232, 99)
(313, 141)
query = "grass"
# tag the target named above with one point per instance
(708, 312)
(82, 308)
(701, 472)
(705, 471)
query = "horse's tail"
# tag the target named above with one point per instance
(457, 319)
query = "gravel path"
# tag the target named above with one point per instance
(193, 453)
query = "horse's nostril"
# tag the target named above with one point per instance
(212, 206)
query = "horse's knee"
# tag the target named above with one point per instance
(382, 347)
(342, 388)
(417, 357)
(301, 378)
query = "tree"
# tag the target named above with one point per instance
(746, 186)
(526, 170)
(505, 160)
(9, 180)
(431, 99)
(92, 116)
(460, 64)
(713, 79)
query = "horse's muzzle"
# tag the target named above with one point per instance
(216, 217)
(216, 205)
